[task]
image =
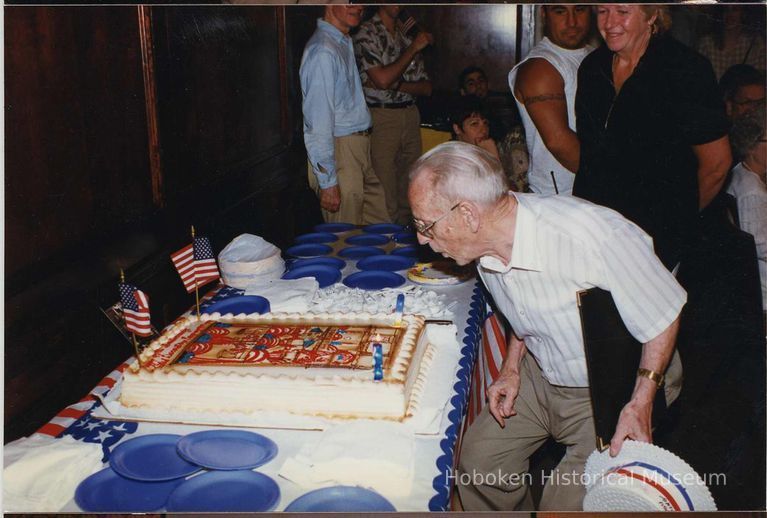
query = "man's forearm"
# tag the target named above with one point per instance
(416, 88)
(514, 354)
(656, 355)
(384, 76)
(566, 148)
(321, 155)
(714, 160)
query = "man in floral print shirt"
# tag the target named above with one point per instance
(393, 75)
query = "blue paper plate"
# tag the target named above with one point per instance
(374, 280)
(316, 237)
(240, 304)
(325, 275)
(405, 238)
(225, 491)
(334, 227)
(367, 239)
(383, 228)
(389, 263)
(409, 251)
(108, 492)
(309, 250)
(335, 262)
(151, 458)
(358, 252)
(340, 499)
(227, 449)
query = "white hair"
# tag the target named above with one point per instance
(463, 172)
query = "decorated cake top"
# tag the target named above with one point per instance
(273, 344)
(256, 341)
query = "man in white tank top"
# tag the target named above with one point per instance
(544, 86)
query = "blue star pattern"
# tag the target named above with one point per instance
(99, 431)
(223, 293)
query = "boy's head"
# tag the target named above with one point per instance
(473, 81)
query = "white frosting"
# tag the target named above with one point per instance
(333, 392)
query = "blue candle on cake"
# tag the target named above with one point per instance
(377, 359)
(399, 309)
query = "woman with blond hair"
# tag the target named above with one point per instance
(652, 127)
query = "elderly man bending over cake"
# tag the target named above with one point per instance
(534, 253)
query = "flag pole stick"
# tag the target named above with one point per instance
(196, 286)
(133, 335)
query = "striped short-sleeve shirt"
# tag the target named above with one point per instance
(562, 245)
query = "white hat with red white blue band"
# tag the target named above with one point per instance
(643, 477)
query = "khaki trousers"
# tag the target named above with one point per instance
(495, 460)
(362, 196)
(395, 145)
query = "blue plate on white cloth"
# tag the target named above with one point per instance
(316, 237)
(383, 228)
(334, 227)
(309, 250)
(367, 239)
(335, 262)
(225, 492)
(325, 275)
(405, 238)
(409, 251)
(107, 492)
(374, 280)
(247, 304)
(151, 458)
(389, 263)
(358, 252)
(340, 499)
(227, 449)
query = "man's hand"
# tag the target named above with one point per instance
(330, 198)
(421, 41)
(501, 396)
(633, 423)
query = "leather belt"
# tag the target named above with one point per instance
(361, 133)
(392, 106)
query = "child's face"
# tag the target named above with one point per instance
(473, 130)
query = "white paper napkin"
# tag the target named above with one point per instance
(42, 473)
(286, 295)
(359, 453)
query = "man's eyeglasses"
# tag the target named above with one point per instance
(424, 228)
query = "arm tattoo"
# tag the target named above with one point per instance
(543, 98)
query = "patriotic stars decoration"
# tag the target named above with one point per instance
(196, 264)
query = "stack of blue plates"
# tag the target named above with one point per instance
(148, 474)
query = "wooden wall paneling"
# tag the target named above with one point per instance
(47, 193)
(75, 128)
(150, 94)
(283, 72)
(219, 92)
(483, 35)
(115, 115)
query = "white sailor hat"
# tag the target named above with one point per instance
(643, 477)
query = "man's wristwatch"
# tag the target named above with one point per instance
(652, 375)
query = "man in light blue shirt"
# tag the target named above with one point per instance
(337, 123)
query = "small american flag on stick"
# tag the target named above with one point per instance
(196, 264)
(135, 305)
